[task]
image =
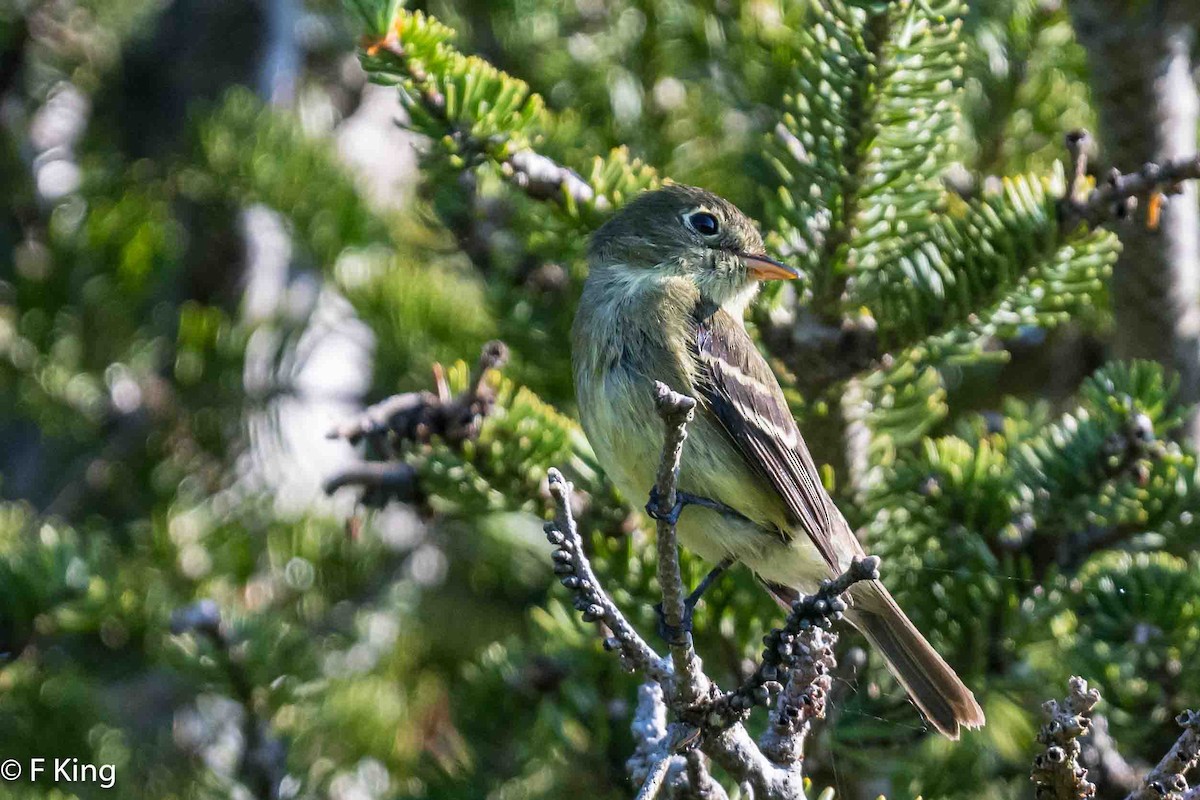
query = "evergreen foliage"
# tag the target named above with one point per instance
(419, 650)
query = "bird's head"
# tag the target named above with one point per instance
(685, 232)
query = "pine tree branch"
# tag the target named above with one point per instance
(1166, 781)
(1057, 774)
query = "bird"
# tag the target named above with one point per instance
(670, 276)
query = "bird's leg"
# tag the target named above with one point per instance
(709, 580)
(674, 634)
(685, 499)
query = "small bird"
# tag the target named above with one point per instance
(671, 275)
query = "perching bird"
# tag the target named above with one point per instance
(671, 276)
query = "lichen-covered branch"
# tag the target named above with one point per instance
(803, 650)
(683, 719)
(1167, 780)
(575, 573)
(676, 411)
(1057, 774)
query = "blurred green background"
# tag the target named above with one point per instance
(216, 243)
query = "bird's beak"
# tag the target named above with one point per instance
(768, 269)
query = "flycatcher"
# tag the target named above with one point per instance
(671, 276)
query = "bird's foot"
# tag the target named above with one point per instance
(674, 634)
(670, 517)
(685, 499)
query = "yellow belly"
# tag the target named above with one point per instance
(627, 436)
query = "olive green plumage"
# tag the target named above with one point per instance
(670, 277)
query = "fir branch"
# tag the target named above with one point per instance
(393, 478)
(799, 652)
(421, 416)
(1057, 774)
(1100, 750)
(539, 176)
(804, 647)
(1166, 781)
(699, 780)
(654, 781)
(649, 729)
(1118, 195)
(542, 178)
(687, 776)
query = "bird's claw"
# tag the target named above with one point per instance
(671, 517)
(675, 634)
(685, 499)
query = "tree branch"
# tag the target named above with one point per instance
(1057, 774)
(671, 759)
(263, 763)
(575, 573)
(1118, 195)
(415, 418)
(538, 176)
(676, 411)
(1166, 781)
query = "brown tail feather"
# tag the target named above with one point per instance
(929, 680)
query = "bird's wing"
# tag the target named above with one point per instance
(736, 383)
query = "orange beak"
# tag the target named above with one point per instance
(768, 269)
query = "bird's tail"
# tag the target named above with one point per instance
(929, 680)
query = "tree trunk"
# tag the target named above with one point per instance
(1142, 58)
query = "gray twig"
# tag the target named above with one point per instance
(1057, 774)
(1166, 781)
(575, 573)
(676, 411)
(1118, 194)
(654, 781)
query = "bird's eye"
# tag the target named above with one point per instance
(703, 223)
